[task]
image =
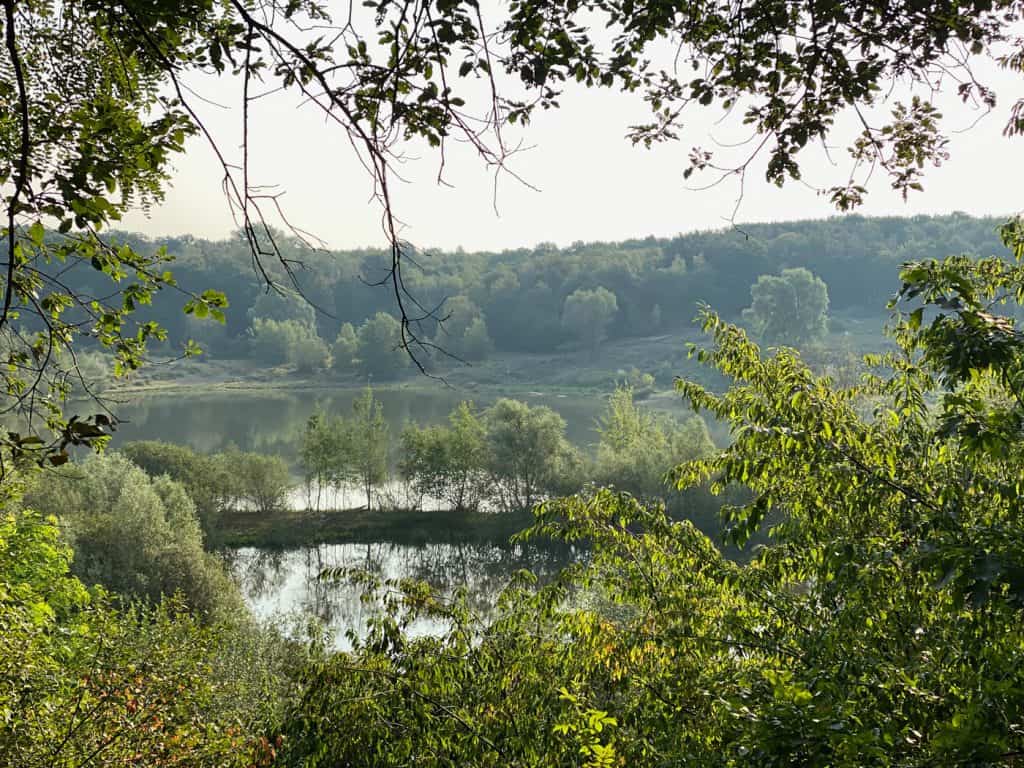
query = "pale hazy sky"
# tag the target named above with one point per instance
(593, 185)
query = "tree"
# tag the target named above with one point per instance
(345, 349)
(309, 354)
(529, 455)
(281, 305)
(326, 456)
(790, 308)
(380, 347)
(205, 479)
(637, 448)
(288, 341)
(125, 113)
(463, 332)
(71, 688)
(587, 313)
(448, 462)
(879, 625)
(476, 343)
(260, 483)
(368, 443)
(136, 536)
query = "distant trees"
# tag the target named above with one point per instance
(637, 447)
(505, 458)
(520, 297)
(789, 308)
(476, 342)
(288, 341)
(530, 457)
(345, 349)
(449, 462)
(283, 329)
(464, 331)
(282, 305)
(587, 314)
(379, 349)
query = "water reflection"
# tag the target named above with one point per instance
(285, 584)
(272, 423)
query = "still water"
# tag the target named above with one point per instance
(285, 586)
(272, 422)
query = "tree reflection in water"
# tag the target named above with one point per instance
(285, 585)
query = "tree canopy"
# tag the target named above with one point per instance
(789, 308)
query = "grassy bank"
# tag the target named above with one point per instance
(296, 528)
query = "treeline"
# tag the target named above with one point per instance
(539, 299)
(505, 458)
(501, 459)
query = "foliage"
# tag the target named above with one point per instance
(638, 447)
(281, 305)
(520, 294)
(530, 457)
(368, 441)
(463, 332)
(587, 314)
(81, 681)
(309, 354)
(288, 341)
(205, 478)
(345, 349)
(380, 351)
(476, 344)
(642, 384)
(259, 483)
(136, 536)
(789, 308)
(96, 109)
(86, 135)
(449, 462)
(325, 455)
(879, 625)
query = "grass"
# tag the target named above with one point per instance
(295, 528)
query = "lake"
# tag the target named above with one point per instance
(284, 586)
(272, 422)
(281, 584)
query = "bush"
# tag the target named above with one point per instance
(204, 477)
(80, 679)
(136, 536)
(259, 483)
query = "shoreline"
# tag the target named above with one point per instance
(289, 529)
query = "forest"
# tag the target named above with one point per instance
(523, 301)
(838, 581)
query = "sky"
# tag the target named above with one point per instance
(587, 182)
